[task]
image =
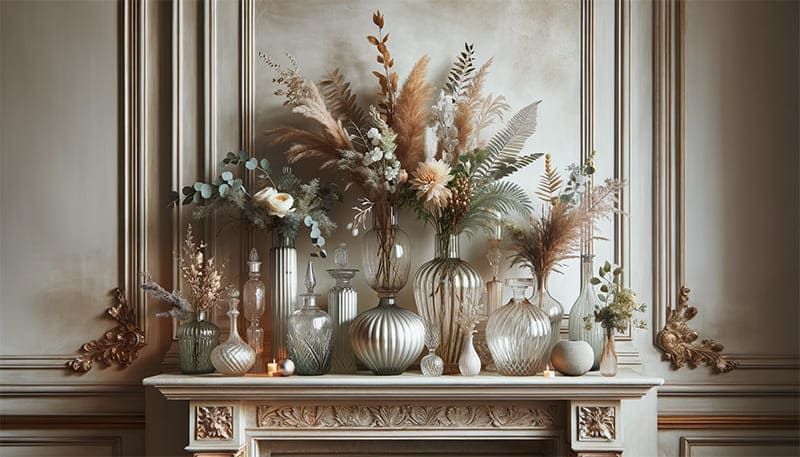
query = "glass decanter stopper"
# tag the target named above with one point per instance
(341, 257)
(310, 332)
(432, 364)
(254, 302)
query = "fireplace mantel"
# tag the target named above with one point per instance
(585, 414)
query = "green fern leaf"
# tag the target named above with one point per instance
(503, 149)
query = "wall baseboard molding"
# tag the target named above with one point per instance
(728, 422)
(72, 389)
(73, 422)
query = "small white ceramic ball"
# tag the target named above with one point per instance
(286, 367)
(572, 358)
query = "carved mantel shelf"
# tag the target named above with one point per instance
(247, 414)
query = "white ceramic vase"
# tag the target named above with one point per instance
(572, 358)
(469, 364)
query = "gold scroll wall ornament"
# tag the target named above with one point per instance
(677, 340)
(119, 346)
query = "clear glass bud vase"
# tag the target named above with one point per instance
(585, 306)
(444, 288)
(554, 311)
(608, 359)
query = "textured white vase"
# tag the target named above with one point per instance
(234, 357)
(469, 364)
(572, 358)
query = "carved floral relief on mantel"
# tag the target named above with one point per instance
(407, 416)
(597, 423)
(214, 423)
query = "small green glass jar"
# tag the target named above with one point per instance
(197, 338)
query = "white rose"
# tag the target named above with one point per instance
(277, 203)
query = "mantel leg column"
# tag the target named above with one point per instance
(595, 428)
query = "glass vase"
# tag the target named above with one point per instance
(608, 359)
(343, 307)
(518, 334)
(197, 337)
(443, 288)
(234, 357)
(283, 291)
(387, 338)
(554, 311)
(310, 338)
(585, 306)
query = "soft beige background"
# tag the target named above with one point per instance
(60, 183)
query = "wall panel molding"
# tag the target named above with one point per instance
(728, 422)
(687, 444)
(112, 443)
(73, 422)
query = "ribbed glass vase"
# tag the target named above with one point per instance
(197, 337)
(585, 306)
(443, 288)
(387, 338)
(343, 307)
(518, 334)
(283, 291)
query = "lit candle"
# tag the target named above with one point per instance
(548, 373)
(272, 368)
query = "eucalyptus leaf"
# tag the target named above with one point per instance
(308, 220)
(223, 190)
(227, 176)
(206, 190)
(188, 199)
(197, 186)
(607, 266)
(196, 198)
(251, 164)
(265, 164)
(321, 241)
(602, 298)
(604, 288)
(187, 190)
(242, 155)
(594, 281)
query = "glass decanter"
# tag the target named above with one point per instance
(432, 364)
(254, 303)
(310, 333)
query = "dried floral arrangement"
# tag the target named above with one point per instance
(453, 181)
(620, 302)
(569, 212)
(203, 275)
(282, 204)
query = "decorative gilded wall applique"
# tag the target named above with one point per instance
(119, 346)
(214, 423)
(597, 423)
(676, 339)
(406, 416)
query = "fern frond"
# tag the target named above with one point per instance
(461, 72)
(550, 185)
(502, 197)
(506, 166)
(341, 101)
(504, 147)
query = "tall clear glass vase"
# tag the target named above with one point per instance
(444, 288)
(387, 338)
(585, 306)
(283, 290)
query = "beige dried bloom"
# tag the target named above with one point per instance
(203, 275)
(430, 181)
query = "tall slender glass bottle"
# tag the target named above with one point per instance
(585, 306)
(254, 298)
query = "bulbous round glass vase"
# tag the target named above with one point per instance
(444, 288)
(387, 338)
(518, 334)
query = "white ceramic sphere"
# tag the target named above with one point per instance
(572, 358)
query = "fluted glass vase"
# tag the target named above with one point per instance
(387, 338)
(554, 311)
(283, 291)
(343, 307)
(444, 288)
(197, 337)
(585, 306)
(518, 334)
